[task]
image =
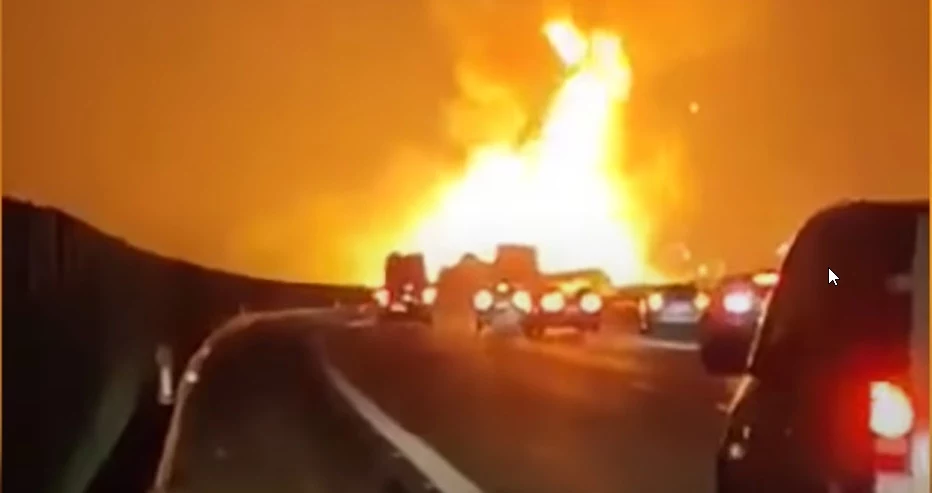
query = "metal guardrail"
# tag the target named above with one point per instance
(192, 370)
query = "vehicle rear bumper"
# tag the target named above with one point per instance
(412, 313)
(917, 480)
(582, 321)
(672, 320)
(501, 317)
(726, 334)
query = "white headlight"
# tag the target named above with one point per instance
(382, 297)
(522, 300)
(552, 302)
(590, 303)
(429, 295)
(482, 300)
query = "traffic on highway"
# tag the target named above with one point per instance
(467, 247)
(784, 382)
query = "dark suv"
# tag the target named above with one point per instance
(836, 390)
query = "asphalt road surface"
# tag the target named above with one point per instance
(487, 414)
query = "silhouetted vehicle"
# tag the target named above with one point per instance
(673, 307)
(577, 307)
(736, 303)
(505, 305)
(517, 264)
(407, 294)
(835, 394)
(457, 284)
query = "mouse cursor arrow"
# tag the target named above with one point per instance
(832, 278)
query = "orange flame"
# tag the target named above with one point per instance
(561, 191)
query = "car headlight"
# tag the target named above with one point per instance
(738, 302)
(482, 300)
(522, 300)
(381, 297)
(655, 302)
(590, 303)
(701, 301)
(552, 302)
(429, 295)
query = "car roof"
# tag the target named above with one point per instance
(679, 287)
(850, 209)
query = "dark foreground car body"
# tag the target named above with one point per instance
(836, 392)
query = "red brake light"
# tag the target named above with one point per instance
(738, 301)
(892, 414)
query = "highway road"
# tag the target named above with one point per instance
(292, 406)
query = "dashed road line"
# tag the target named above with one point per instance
(443, 476)
(685, 346)
(361, 323)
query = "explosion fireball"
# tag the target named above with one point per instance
(560, 189)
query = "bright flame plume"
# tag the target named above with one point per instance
(561, 190)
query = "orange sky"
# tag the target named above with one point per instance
(288, 138)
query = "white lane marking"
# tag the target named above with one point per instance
(361, 323)
(441, 473)
(722, 406)
(669, 345)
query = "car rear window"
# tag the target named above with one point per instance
(871, 248)
(679, 291)
(873, 254)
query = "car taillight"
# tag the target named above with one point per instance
(429, 295)
(655, 301)
(891, 412)
(701, 301)
(552, 302)
(766, 279)
(483, 300)
(522, 300)
(381, 297)
(738, 302)
(590, 303)
(891, 422)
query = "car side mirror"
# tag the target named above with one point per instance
(724, 349)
